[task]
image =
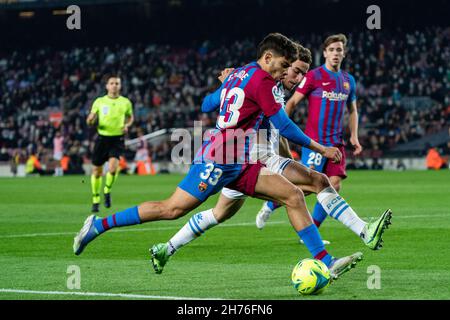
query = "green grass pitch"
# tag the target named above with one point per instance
(40, 216)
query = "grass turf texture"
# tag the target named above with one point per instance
(40, 216)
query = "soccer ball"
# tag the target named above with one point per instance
(310, 276)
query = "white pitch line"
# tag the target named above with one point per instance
(52, 234)
(102, 294)
(243, 224)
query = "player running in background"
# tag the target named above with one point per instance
(329, 90)
(230, 201)
(113, 115)
(244, 98)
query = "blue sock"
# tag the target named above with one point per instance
(319, 214)
(273, 205)
(311, 237)
(127, 217)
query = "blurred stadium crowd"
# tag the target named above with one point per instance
(50, 90)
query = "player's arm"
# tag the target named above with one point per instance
(212, 101)
(224, 74)
(92, 117)
(293, 102)
(285, 151)
(353, 119)
(129, 117)
(128, 122)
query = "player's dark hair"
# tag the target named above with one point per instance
(279, 45)
(108, 76)
(340, 37)
(304, 54)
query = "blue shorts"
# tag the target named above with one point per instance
(205, 179)
(313, 160)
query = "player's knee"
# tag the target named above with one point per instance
(294, 197)
(321, 181)
(97, 172)
(113, 167)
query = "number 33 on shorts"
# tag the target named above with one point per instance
(211, 174)
(313, 159)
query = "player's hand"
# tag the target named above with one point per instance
(332, 153)
(92, 119)
(224, 74)
(357, 148)
(125, 129)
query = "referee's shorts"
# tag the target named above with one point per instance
(107, 147)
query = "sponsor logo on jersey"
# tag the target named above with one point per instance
(278, 94)
(334, 96)
(202, 186)
(326, 83)
(346, 85)
(105, 110)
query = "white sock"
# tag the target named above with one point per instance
(194, 228)
(336, 207)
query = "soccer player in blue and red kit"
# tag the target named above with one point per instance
(245, 98)
(330, 91)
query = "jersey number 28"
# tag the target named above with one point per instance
(314, 159)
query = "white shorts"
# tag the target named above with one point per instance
(57, 156)
(274, 162)
(233, 194)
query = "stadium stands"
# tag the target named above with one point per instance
(167, 84)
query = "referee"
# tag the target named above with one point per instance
(113, 115)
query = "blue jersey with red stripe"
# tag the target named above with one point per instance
(328, 94)
(246, 96)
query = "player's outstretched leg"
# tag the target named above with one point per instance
(175, 207)
(336, 207)
(95, 226)
(331, 203)
(278, 188)
(193, 229)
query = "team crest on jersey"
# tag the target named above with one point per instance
(202, 186)
(278, 94)
(105, 110)
(346, 85)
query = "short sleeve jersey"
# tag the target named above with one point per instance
(111, 114)
(328, 94)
